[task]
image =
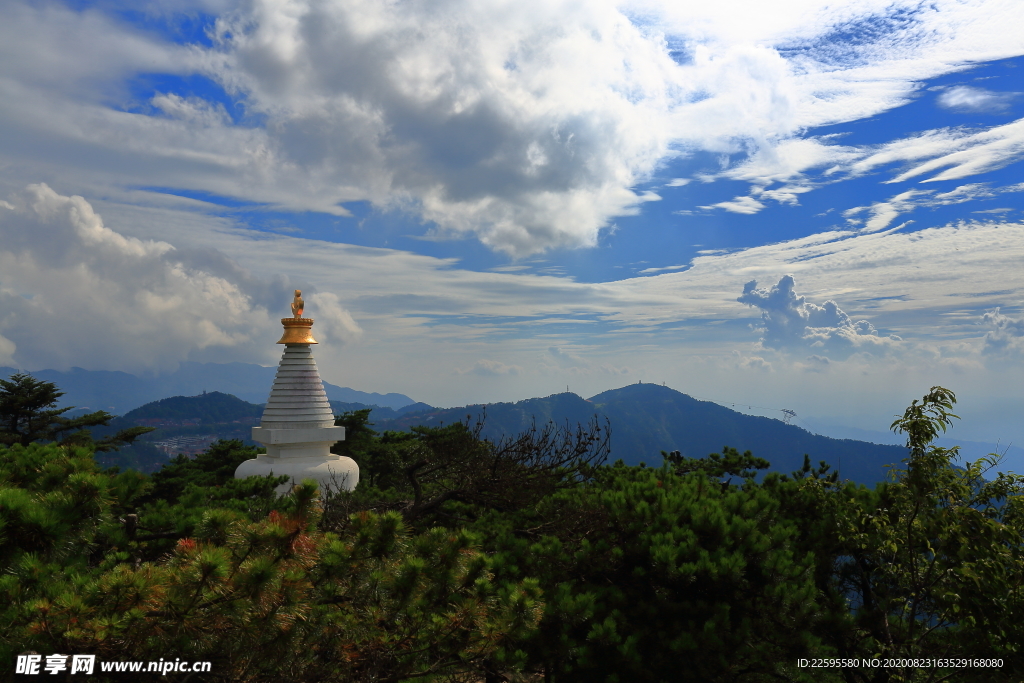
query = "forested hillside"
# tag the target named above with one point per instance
(212, 407)
(647, 419)
(528, 559)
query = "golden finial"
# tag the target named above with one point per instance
(297, 330)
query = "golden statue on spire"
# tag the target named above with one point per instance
(297, 330)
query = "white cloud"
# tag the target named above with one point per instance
(571, 362)
(816, 363)
(910, 281)
(791, 163)
(790, 321)
(491, 368)
(882, 214)
(7, 349)
(975, 100)
(526, 125)
(338, 323)
(652, 271)
(567, 358)
(1007, 333)
(75, 292)
(756, 363)
(747, 205)
(964, 153)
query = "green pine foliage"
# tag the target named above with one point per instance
(654, 576)
(458, 559)
(29, 413)
(379, 602)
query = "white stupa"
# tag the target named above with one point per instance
(297, 426)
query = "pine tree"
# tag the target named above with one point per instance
(28, 413)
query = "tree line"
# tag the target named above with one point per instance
(531, 558)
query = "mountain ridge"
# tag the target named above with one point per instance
(647, 419)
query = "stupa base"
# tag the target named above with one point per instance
(332, 473)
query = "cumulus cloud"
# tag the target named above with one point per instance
(75, 292)
(1007, 333)
(751, 362)
(791, 322)
(816, 363)
(975, 100)
(333, 319)
(527, 125)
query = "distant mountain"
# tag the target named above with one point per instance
(1013, 456)
(500, 418)
(212, 407)
(648, 415)
(379, 412)
(183, 424)
(120, 392)
(645, 418)
(648, 418)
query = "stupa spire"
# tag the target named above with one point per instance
(297, 426)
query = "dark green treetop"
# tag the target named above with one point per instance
(29, 412)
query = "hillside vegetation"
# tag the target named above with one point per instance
(647, 419)
(208, 407)
(530, 558)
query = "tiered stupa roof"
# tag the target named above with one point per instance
(297, 399)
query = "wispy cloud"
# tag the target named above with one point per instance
(664, 269)
(976, 100)
(964, 154)
(882, 214)
(807, 164)
(746, 205)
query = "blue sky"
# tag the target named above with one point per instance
(794, 204)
